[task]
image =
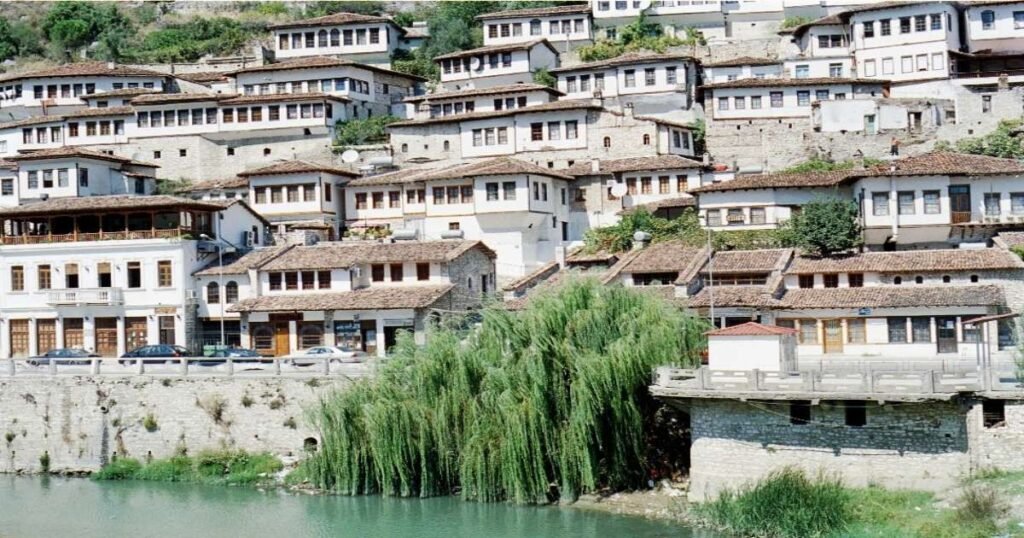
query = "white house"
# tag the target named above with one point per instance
(69, 172)
(740, 68)
(490, 99)
(496, 65)
(820, 49)
(567, 27)
(752, 346)
(362, 38)
(290, 193)
(666, 79)
(780, 98)
(107, 273)
(994, 26)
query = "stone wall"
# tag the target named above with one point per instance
(997, 447)
(82, 422)
(903, 445)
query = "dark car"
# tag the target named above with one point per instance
(237, 354)
(63, 356)
(158, 353)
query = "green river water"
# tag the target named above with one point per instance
(45, 507)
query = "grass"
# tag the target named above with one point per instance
(233, 468)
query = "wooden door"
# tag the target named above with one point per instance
(74, 336)
(833, 342)
(19, 337)
(281, 339)
(106, 337)
(46, 335)
(960, 203)
(135, 333)
(945, 329)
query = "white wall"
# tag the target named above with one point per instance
(1004, 35)
(579, 29)
(388, 41)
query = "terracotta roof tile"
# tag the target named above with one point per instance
(297, 167)
(204, 77)
(398, 177)
(123, 92)
(780, 181)
(1011, 239)
(336, 255)
(239, 265)
(583, 256)
(217, 184)
(164, 98)
(537, 12)
(734, 296)
(830, 20)
(73, 152)
(892, 297)
(281, 98)
(910, 261)
(790, 82)
(949, 163)
(490, 49)
(84, 69)
(332, 20)
(741, 61)
(676, 202)
(629, 58)
(500, 166)
(752, 328)
(634, 164)
(749, 261)
(663, 257)
(471, 116)
(101, 203)
(319, 62)
(477, 92)
(532, 278)
(383, 298)
(99, 112)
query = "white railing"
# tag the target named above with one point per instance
(186, 367)
(85, 296)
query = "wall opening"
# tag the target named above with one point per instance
(799, 412)
(856, 413)
(993, 413)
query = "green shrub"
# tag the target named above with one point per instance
(785, 504)
(44, 461)
(247, 400)
(209, 467)
(980, 507)
(119, 469)
(366, 131)
(173, 469)
(150, 423)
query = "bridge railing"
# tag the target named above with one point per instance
(185, 367)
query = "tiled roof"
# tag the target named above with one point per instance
(8, 164)
(845, 15)
(733, 296)
(634, 164)
(477, 92)
(892, 297)
(319, 62)
(297, 167)
(544, 107)
(830, 20)
(501, 166)
(164, 98)
(749, 261)
(84, 69)
(123, 92)
(583, 256)
(332, 20)
(239, 265)
(281, 98)
(98, 112)
(101, 203)
(779, 181)
(33, 120)
(398, 177)
(217, 184)
(490, 49)
(629, 58)
(741, 61)
(662, 257)
(909, 261)
(70, 152)
(204, 77)
(752, 328)
(678, 201)
(789, 82)
(383, 298)
(336, 255)
(537, 12)
(532, 278)
(942, 163)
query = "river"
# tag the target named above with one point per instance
(42, 507)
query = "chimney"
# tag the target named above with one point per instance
(858, 160)
(641, 240)
(110, 65)
(595, 165)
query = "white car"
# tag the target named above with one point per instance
(314, 355)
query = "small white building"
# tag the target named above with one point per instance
(291, 193)
(567, 27)
(752, 346)
(780, 98)
(71, 172)
(363, 38)
(490, 99)
(654, 81)
(496, 65)
(740, 68)
(994, 26)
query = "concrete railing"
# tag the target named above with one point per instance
(185, 367)
(837, 382)
(85, 296)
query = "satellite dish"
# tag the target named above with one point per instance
(619, 190)
(349, 156)
(476, 63)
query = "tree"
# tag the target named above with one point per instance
(826, 226)
(544, 77)
(357, 132)
(319, 9)
(8, 43)
(999, 143)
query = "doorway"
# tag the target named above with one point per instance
(19, 338)
(960, 203)
(281, 339)
(106, 337)
(135, 333)
(46, 335)
(833, 342)
(945, 329)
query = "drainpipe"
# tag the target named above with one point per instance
(893, 211)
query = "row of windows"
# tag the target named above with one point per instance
(326, 85)
(570, 83)
(448, 109)
(834, 41)
(908, 64)
(736, 216)
(988, 20)
(919, 23)
(856, 280)
(199, 116)
(554, 130)
(44, 276)
(279, 194)
(803, 98)
(492, 60)
(490, 136)
(53, 91)
(566, 26)
(906, 202)
(396, 270)
(294, 280)
(901, 330)
(650, 76)
(230, 292)
(33, 178)
(334, 38)
(623, 4)
(835, 70)
(394, 199)
(647, 185)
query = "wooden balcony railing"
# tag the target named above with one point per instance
(169, 233)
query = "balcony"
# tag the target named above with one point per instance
(85, 296)
(171, 233)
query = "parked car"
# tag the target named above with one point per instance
(237, 354)
(314, 355)
(70, 355)
(159, 353)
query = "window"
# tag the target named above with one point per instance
(880, 204)
(755, 103)
(821, 95)
(438, 195)
(922, 62)
(920, 23)
(664, 187)
(993, 413)
(855, 280)
(803, 97)
(830, 280)
(991, 200)
(869, 68)
(988, 19)
(276, 195)
(554, 130)
(630, 76)
(492, 191)
(231, 292)
(855, 412)
(536, 132)
(986, 104)
(508, 190)
(757, 215)
(274, 281)
(570, 130)
(856, 332)
(907, 64)
(888, 66)
(869, 29)
(799, 412)
(570, 84)
(17, 278)
(905, 202)
(535, 27)
(467, 194)
(62, 177)
(904, 25)
(291, 280)
(803, 71)
(453, 195)
(422, 271)
(163, 274)
(1018, 20)
(805, 281)
(645, 185)
(723, 103)
(776, 99)
(649, 77)
(936, 20)
(7, 187)
(670, 75)
(212, 293)
(897, 330)
(886, 26)
(396, 272)
(714, 217)
(921, 329)
(378, 200)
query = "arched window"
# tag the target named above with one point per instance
(335, 38)
(311, 335)
(647, 140)
(263, 337)
(447, 146)
(988, 19)
(535, 27)
(918, 280)
(321, 38)
(405, 148)
(231, 292)
(897, 280)
(607, 141)
(213, 293)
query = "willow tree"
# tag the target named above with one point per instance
(525, 406)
